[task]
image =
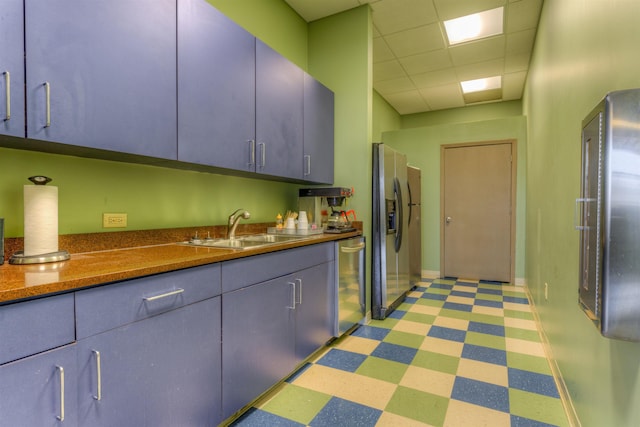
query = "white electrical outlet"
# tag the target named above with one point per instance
(114, 220)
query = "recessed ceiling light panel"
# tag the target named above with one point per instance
(476, 26)
(478, 85)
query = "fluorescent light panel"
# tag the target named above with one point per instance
(478, 85)
(476, 26)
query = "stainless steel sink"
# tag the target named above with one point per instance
(245, 242)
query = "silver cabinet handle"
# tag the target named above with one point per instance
(307, 159)
(293, 296)
(98, 395)
(252, 152)
(7, 82)
(299, 282)
(47, 95)
(263, 154)
(61, 372)
(166, 294)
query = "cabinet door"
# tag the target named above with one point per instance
(258, 348)
(36, 392)
(313, 309)
(161, 371)
(279, 114)
(318, 131)
(216, 88)
(12, 68)
(102, 74)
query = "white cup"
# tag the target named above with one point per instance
(302, 216)
(290, 224)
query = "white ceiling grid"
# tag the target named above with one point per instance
(415, 70)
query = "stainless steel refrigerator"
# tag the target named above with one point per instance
(609, 216)
(414, 205)
(390, 221)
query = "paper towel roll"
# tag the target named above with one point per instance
(40, 219)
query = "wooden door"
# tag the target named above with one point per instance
(478, 199)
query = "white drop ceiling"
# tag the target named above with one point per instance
(413, 67)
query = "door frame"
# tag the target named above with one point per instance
(514, 173)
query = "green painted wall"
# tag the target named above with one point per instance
(584, 49)
(385, 118)
(422, 147)
(473, 113)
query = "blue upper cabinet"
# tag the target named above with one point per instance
(216, 89)
(279, 114)
(318, 131)
(102, 74)
(12, 68)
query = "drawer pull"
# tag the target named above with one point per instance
(252, 152)
(98, 395)
(61, 372)
(293, 296)
(47, 95)
(299, 282)
(167, 294)
(307, 159)
(7, 81)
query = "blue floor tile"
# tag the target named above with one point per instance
(441, 286)
(463, 294)
(533, 382)
(340, 412)
(490, 291)
(438, 297)
(371, 332)
(468, 284)
(526, 422)
(343, 360)
(410, 300)
(398, 314)
(491, 282)
(485, 354)
(447, 333)
(516, 300)
(481, 393)
(259, 418)
(487, 303)
(457, 306)
(395, 352)
(486, 328)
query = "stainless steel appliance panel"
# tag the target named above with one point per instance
(414, 179)
(609, 212)
(350, 291)
(390, 269)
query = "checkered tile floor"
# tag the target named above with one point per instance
(455, 353)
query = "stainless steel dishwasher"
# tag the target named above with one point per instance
(350, 279)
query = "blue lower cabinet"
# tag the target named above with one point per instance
(161, 371)
(40, 390)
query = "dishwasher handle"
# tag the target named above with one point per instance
(352, 249)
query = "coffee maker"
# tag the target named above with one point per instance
(324, 207)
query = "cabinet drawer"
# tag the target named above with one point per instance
(107, 307)
(243, 272)
(31, 327)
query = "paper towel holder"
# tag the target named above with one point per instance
(20, 258)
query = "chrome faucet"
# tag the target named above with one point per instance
(234, 219)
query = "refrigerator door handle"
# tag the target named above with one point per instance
(400, 210)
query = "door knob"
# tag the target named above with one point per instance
(448, 219)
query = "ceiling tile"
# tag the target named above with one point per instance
(478, 51)
(480, 70)
(387, 70)
(415, 40)
(391, 16)
(523, 15)
(428, 61)
(449, 9)
(442, 97)
(513, 85)
(381, 51)
(516, 62)
(408, 102)
(521, 42)
(385, 87)
(434, 78)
